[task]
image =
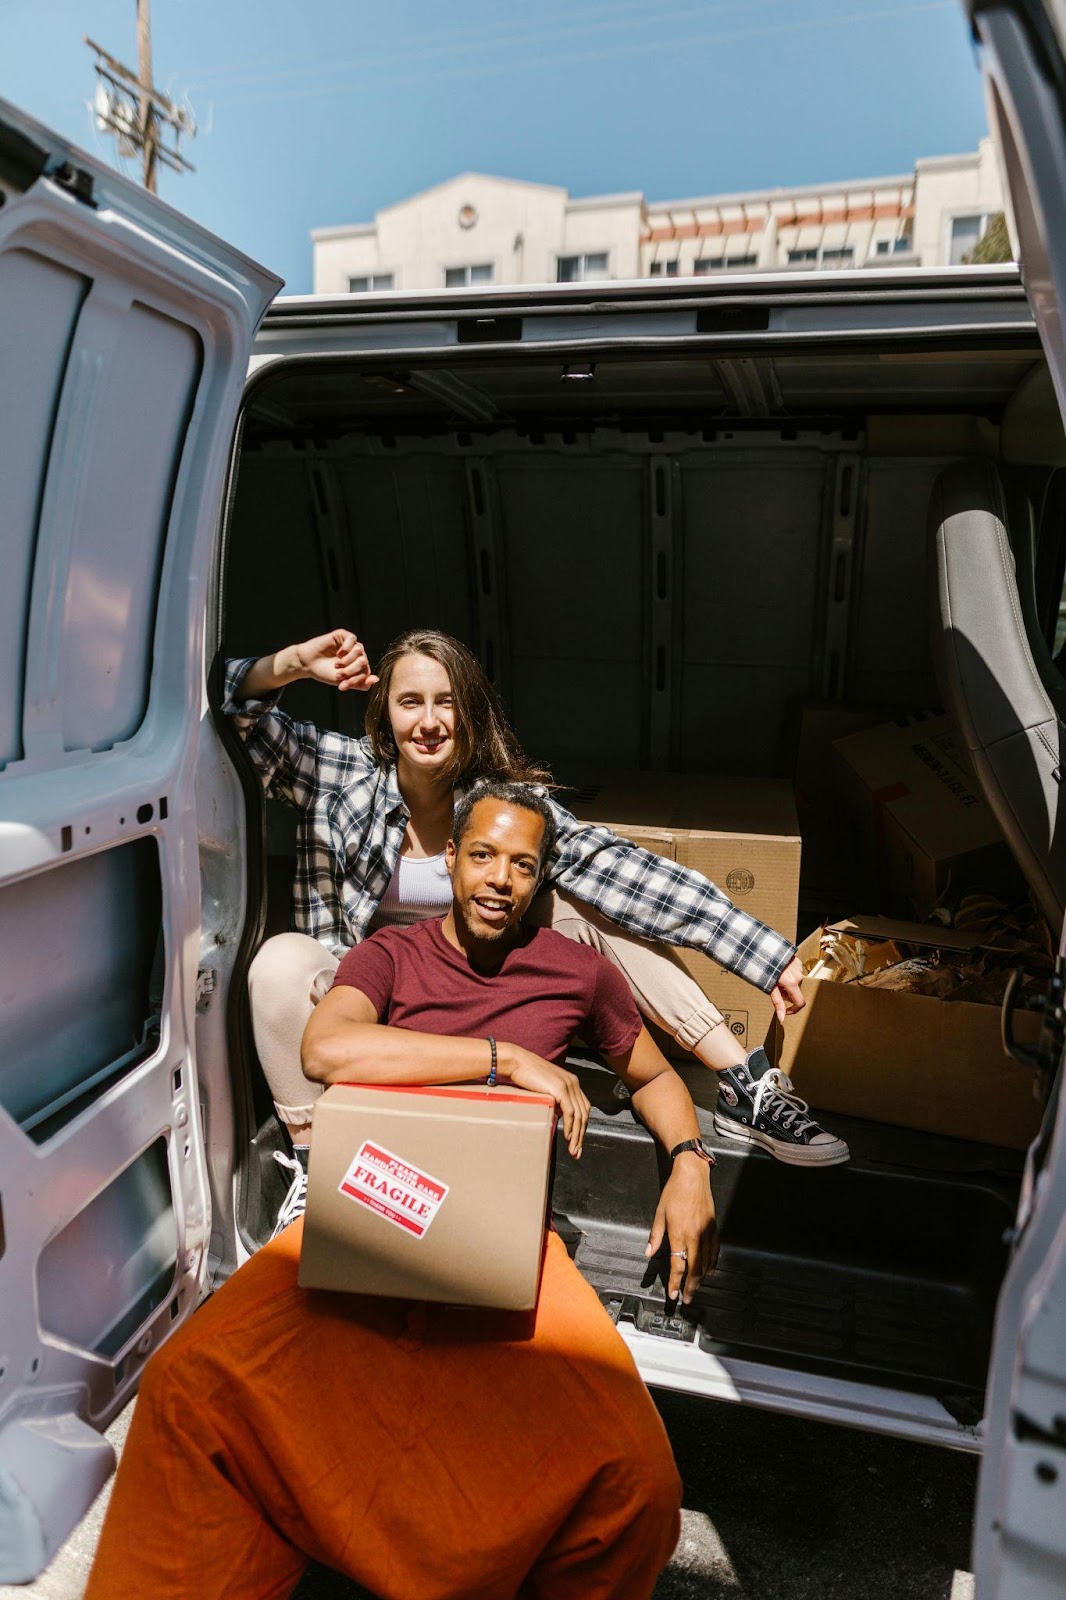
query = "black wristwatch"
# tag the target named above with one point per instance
(697, 1147)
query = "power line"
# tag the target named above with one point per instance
(594, 56)
(489, 37)
(136, 112)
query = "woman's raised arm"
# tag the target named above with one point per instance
(338, 659)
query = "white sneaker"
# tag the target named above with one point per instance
(294, 1202)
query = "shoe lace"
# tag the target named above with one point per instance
(776, 1098)
(296, 1199)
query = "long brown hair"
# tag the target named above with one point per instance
(485, 744)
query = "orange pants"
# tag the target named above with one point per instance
(429, 1453)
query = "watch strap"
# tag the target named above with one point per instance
(697, 1147)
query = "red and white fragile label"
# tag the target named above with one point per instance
(401, 1193)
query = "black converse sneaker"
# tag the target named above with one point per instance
(296, 1199)
(758, 1105)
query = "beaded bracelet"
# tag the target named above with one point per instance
(492, 1069)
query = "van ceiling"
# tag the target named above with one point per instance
(326, 397)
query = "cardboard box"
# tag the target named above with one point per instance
(429, 1193)
(909, 1059)
(920, 816)
(742, 833)
(812, 727)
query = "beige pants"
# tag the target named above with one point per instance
(291, 973)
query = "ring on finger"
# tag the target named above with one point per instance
(682, 1253)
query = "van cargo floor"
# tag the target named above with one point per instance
(885, 1269)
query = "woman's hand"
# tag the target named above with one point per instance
(786, 995)
(528, 1071)
(685, 1216)
(338, 659)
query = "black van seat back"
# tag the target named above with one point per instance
(988, 676)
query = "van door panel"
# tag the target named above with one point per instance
(125, 425)
(1020, 1524)
(40, 301)
(124, 339)
(94, 924)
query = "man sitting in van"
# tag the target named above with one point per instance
(426, 1450)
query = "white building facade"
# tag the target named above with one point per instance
(476, 229)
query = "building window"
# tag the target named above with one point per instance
(799, 258)
(374, 281)
(741, 261)
(579, 269)
(841, 256)
(895, 247)
(965, 232)
(707, 264)
(464, 277)
(663, 269)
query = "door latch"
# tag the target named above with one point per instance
(206, 981)
(1045, 1055)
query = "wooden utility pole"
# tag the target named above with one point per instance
(146, 119)
(131, 107)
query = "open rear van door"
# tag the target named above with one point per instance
(1020, 1534)
(125, 332)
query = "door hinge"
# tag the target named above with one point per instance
(75, 180)
(206, 980)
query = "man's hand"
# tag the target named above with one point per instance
(685, 1216)
(528, 1071)
(786, 994)
(338, 659)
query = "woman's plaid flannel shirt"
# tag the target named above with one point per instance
(351, 825)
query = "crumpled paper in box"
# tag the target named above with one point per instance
(1011, 937)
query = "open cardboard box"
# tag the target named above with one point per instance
(909, 1059)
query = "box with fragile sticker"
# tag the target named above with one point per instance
(431, 1193)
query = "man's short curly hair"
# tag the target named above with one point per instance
(526, 796)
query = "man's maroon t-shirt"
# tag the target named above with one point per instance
(547, 990)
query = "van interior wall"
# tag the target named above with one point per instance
(641, 600)
(647, 598)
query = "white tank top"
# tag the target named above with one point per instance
(419, 888)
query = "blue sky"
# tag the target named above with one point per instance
(320, 112)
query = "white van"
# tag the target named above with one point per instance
(705, 497)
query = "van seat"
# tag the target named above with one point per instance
(989, 678)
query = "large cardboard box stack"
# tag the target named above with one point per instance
(435, 1193)
(909, 1059)
(919, 816)
(742, 833)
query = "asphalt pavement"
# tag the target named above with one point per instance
(774, 1509)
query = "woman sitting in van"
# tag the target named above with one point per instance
(374, 816)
